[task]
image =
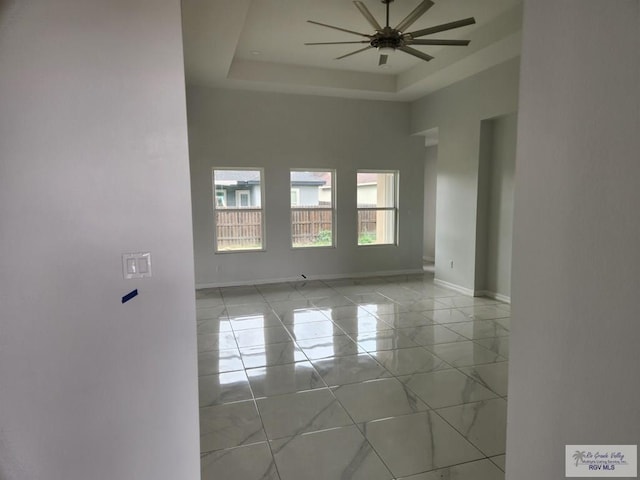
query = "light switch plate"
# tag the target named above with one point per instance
(136, 265)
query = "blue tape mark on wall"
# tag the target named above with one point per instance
(130, 295)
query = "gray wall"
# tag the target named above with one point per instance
(495, 206)
(430, 190)
(93, 163)
(575, 328)
(278, 132)
(458, 111)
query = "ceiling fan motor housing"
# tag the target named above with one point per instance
(387, 38)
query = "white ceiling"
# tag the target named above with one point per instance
(259, 45)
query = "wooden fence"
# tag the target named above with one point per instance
(311, 227)
(367, 220)
(242, 229)
(238, 229)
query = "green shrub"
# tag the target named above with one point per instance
(323, 238)
(367, 238)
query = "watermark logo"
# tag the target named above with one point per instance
(601, 461)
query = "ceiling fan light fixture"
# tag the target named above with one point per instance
(386, 50)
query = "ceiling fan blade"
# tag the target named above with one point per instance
(443, 27)
(367, 14)
(415, 15)
(416, 53)
(383, 60)
(353, 53)
(336, 43)
(461, 43)
(339, 28)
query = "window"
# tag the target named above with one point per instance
(377, 207)
(295, 197)
(238, 216)
(221, 198)
(312, 208)
(243, 198)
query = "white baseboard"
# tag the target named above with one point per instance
(429, 259)
(473, 293)
(496, 296)
(453, 286)
(336, 276)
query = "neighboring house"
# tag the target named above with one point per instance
(306, 188)
(238, 188)
(241, 188)
(324, 192)
(367, 189)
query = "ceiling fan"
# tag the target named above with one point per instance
(387, 39)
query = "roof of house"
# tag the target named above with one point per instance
(367, 177)
(236, 177)
(307, 178)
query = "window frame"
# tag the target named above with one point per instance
(394, 209)
(331, 209)
(259, 208)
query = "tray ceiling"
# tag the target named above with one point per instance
(259, 45)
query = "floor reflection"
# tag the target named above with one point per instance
(396, 368)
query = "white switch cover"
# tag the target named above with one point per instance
(136, 265)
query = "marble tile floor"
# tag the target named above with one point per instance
(390, 378)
